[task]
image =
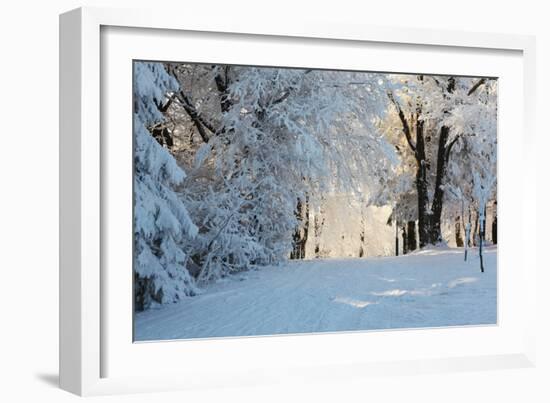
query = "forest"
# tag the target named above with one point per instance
(260, 178)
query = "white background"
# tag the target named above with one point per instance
(28, 202)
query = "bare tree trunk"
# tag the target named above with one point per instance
(222, 83)
(481, 234)
(483, 224)
(306, 229)
(481, 256)
(422, 187)
(397, 238)
(481, 244)
(295, 253)
(437, 204)
(411, 235)
(468, 233)
(469, 238)
(405, 245)
(467, 244)
(458, 233)
(475, 237)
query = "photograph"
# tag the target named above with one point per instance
(276, 200)
(241, 202)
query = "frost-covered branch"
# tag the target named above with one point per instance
(403, 119)
(199, 121)
(478, 84)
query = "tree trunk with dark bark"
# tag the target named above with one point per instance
(437, 204)
(222, 84)
(424, 216)
(404, 235)
(458, 233)
(481, 236)
(397, 239)
(475, 238)
(411, 235)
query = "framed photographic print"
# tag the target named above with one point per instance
(243, 202)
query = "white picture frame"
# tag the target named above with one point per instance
(87, 317)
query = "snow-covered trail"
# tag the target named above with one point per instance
(425, 289)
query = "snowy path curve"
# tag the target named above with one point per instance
(426, 289)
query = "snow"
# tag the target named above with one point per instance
(430, 288)
(162, 224)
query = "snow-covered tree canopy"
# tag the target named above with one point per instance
(261, 142)
(444, 128)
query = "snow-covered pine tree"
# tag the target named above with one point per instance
(162, 225)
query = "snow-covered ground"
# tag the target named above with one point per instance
(425, 289)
